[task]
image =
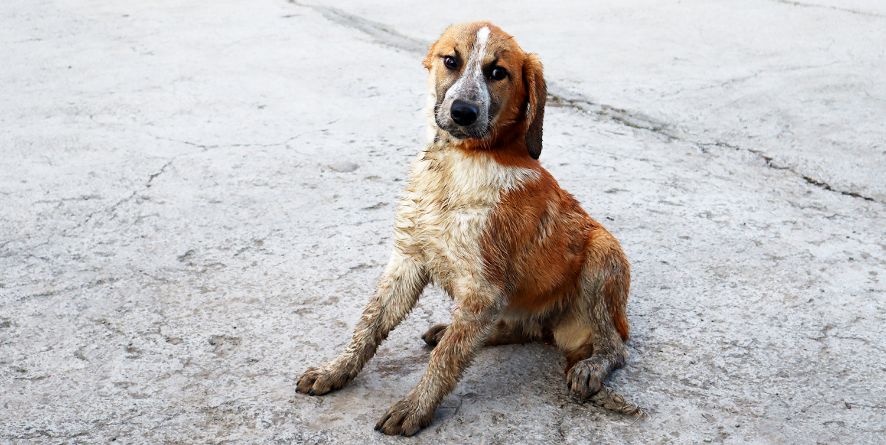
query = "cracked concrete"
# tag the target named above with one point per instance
(833, 8)
(197, 200)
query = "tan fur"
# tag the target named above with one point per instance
(482, 219)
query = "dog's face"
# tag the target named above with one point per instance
(482, 83)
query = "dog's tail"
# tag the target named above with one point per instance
(613, 401)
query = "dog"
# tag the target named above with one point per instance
(482, 219)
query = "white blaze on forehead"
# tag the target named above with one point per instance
(480, 48)
(482, 37)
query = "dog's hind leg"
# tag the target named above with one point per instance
(398, 290)
(593, 335)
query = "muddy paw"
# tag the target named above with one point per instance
(434, 334)
(404, 418)
(319, 381)
(585, 379)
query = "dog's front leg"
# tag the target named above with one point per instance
(471, 323)
(398, 290)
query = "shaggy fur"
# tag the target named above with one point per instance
(482, 219)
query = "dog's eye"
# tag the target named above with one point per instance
(450, 62)
(498, 73)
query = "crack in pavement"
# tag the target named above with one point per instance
(207, 147)
(162, 170)
(152, 176)
(621, 116)
(389, 37)
(82, 286)
(833, 8)
(773, 164)
(113, 208)
(148, 183)
(378, 31)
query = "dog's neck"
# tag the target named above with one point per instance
(505, 147)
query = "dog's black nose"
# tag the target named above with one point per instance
(464, 113)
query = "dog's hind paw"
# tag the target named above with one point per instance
(585, 378)
(434, 334)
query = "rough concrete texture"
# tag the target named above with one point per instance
(196, 199)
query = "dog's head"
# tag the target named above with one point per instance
(483, 84)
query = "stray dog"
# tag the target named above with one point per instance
(482, 219)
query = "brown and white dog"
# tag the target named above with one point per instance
(482, 219)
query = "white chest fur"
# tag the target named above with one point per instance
(446, 206)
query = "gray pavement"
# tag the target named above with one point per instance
(196, 199)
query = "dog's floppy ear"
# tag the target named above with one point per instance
(537, 93)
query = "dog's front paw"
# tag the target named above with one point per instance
(585, 379)
(405, 418)
(319, 381)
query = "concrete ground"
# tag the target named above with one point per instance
(196, 199)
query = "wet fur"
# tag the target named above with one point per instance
(482, 219)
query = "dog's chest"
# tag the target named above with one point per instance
(445, 211)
